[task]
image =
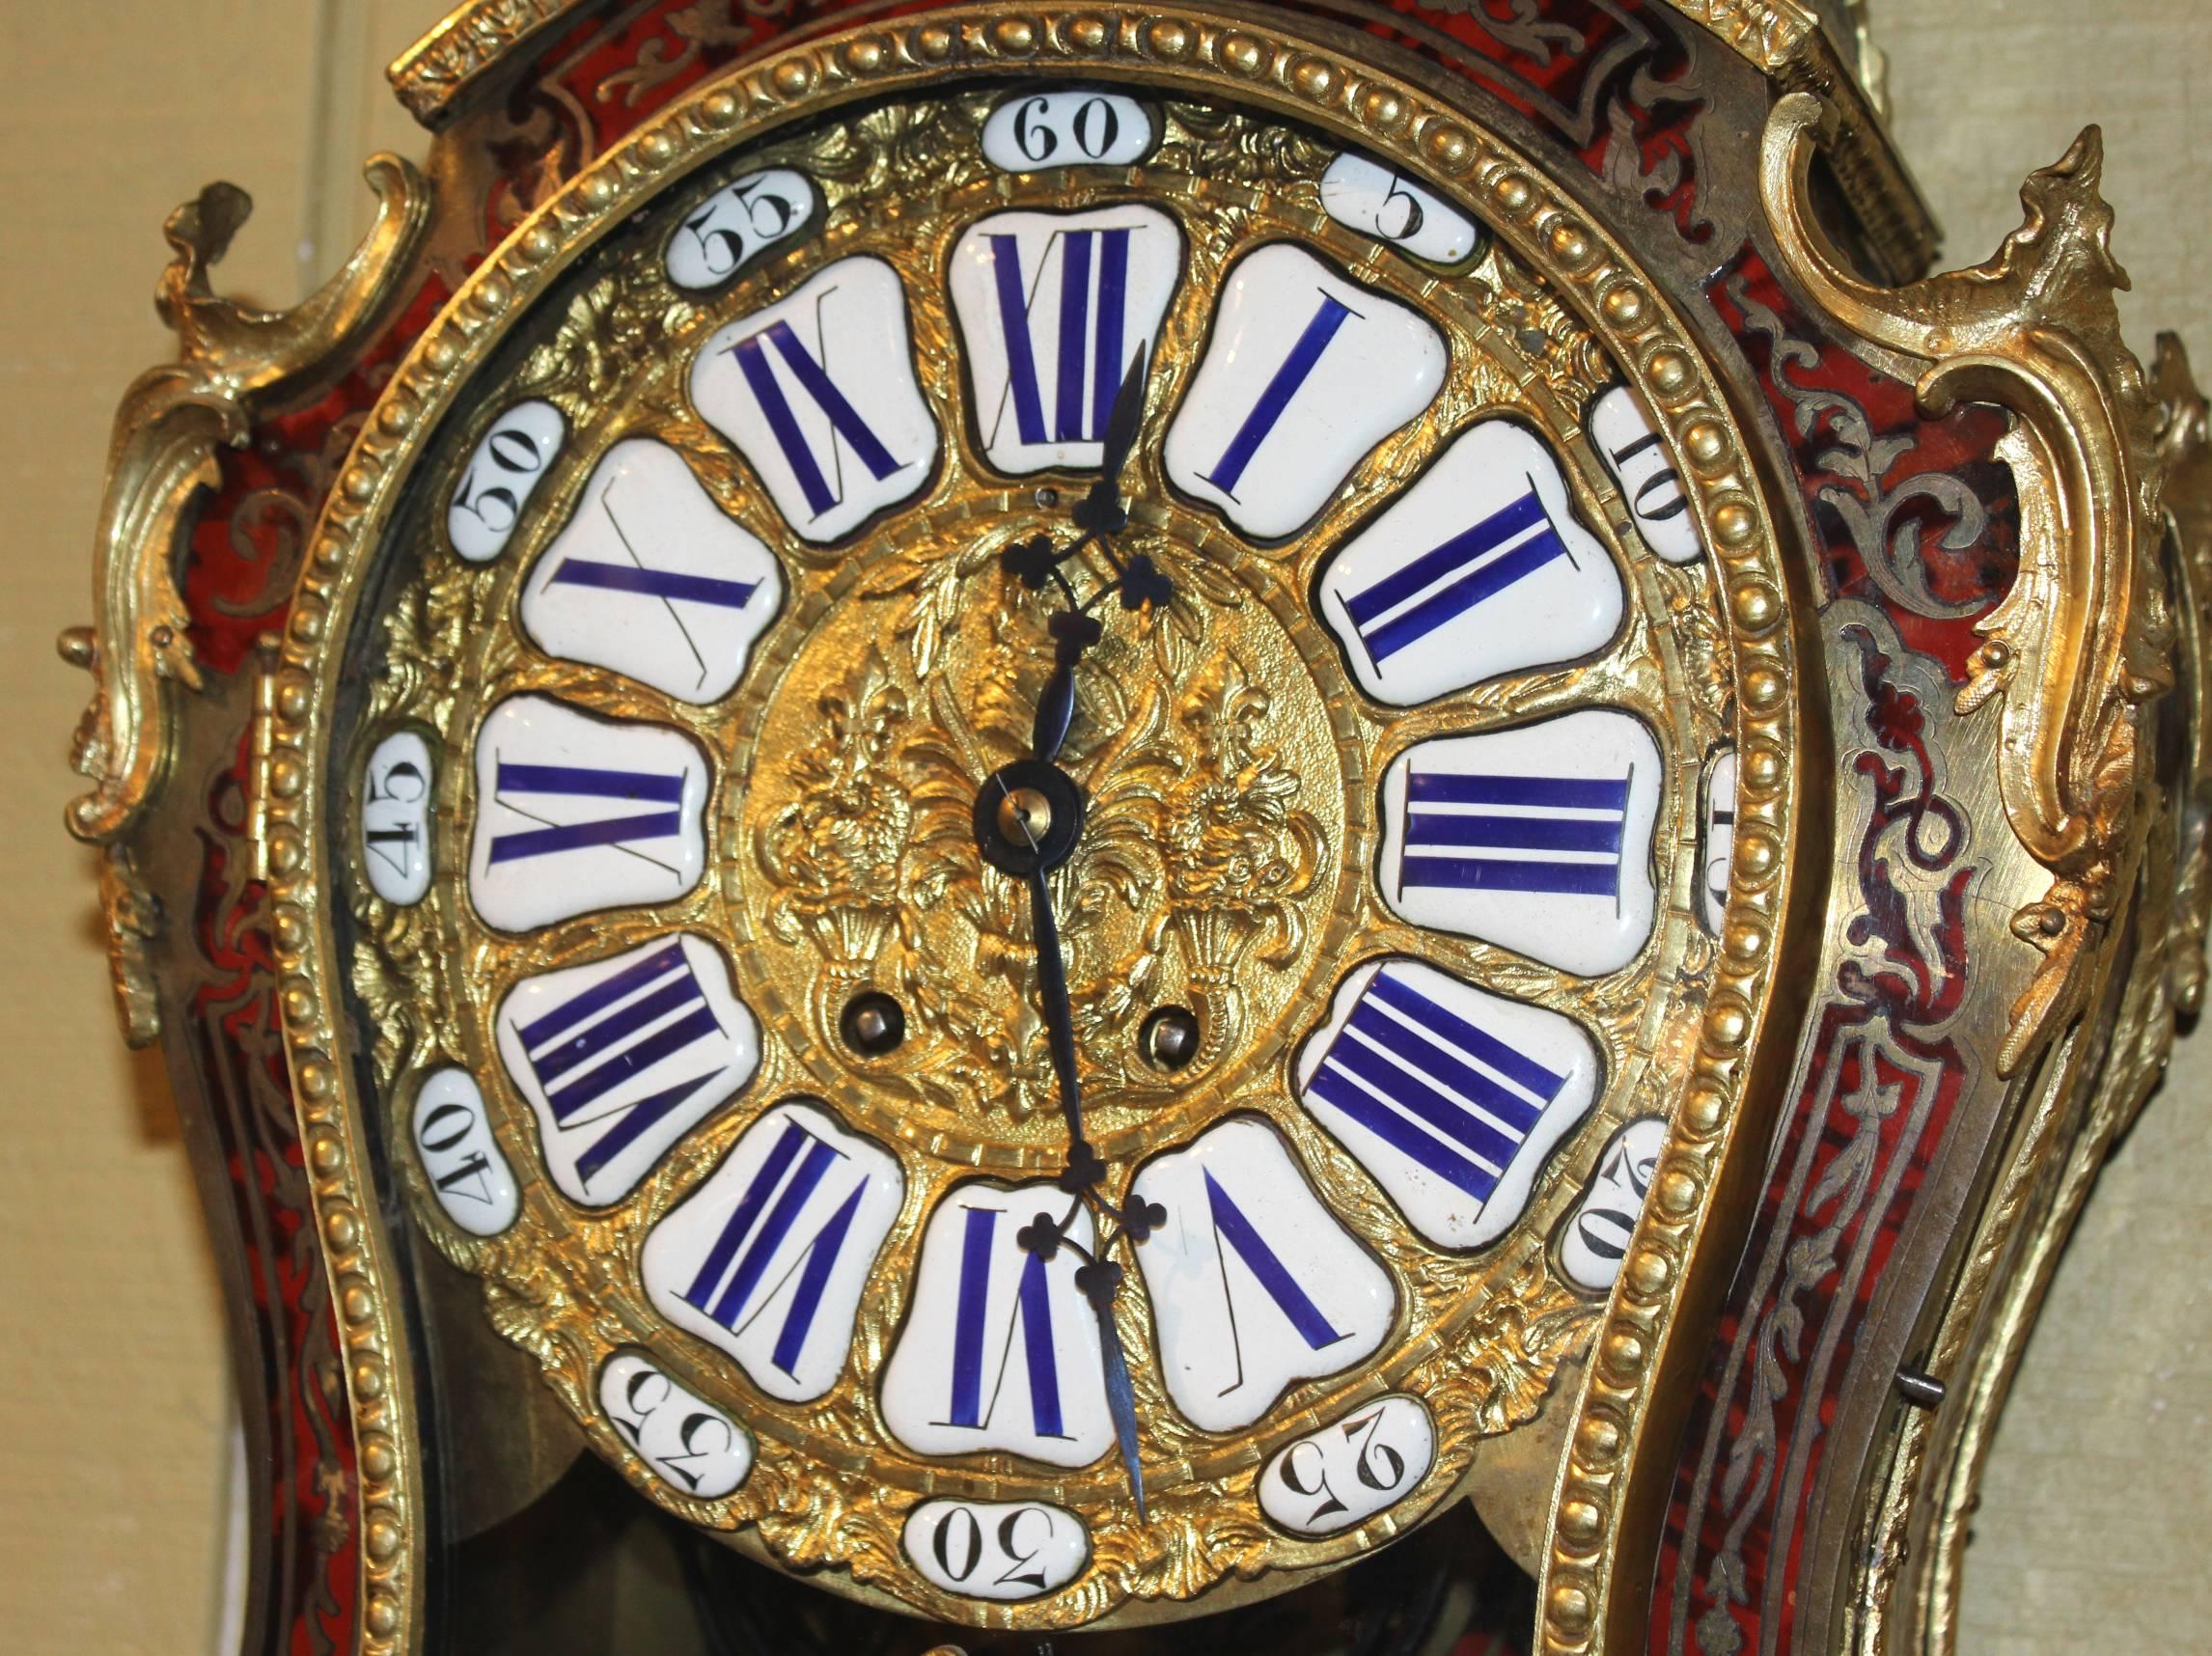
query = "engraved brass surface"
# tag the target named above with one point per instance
(2097, 1083)
(236, 363)
(2081, 646)
(1537, 324)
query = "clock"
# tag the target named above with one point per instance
(1058, 802)
(1021, 796)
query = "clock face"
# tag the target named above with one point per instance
(1030, 793)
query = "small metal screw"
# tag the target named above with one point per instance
(1048, 500)
(1921, 1390)
(1170, 1037)
(1025, 817)
(873, 1024)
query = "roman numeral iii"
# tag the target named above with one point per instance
(1536, 839)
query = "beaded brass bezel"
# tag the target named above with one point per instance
(1186, 53)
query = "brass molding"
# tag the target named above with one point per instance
(1187, 52)
(1773, 34)
(235, 364)
(2098, 1083)
(2082, 645)
(432, 76)
(2185, 450)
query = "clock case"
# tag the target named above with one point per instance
(1991, 532)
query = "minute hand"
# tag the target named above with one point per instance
(1058, 1014)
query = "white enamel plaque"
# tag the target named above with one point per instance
(1077, 127)
(468, 1173)
(1377, 201)
(1479, 568)
(1449, 1096)
(396, 817)
(651, 578)
(503, 472)
(1253, 1282)
(769, 1258)
(1720, 839)
(1305, 374)
(819, 394)
(1637, 457)
(692, 1446)
(1052, 309)
(739, 221)
(999, 1350)
(575, 813)
(1537, 839)
(1346, 1473)
(622, 1057)
(1597, 1230)
(1002, 1550)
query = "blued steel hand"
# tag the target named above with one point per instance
(1100, 1278)
(1101, 511)
(1099, 515)
(1059, 1013)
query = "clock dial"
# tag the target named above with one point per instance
(1036, 806)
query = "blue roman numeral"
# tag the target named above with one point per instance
(1440, 586)
(1404, 1068)
(1032, 1314)
(1232, 1227)
(585, 781)
(608, 577)
(1080, 335)
(1267, 413)
(728, 1278)
(1454, 823)
(752, 354)
(604, 1037)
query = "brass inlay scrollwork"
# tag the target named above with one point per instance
(2081, 645)
(235, 363)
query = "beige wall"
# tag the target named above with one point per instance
(114, 1401)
